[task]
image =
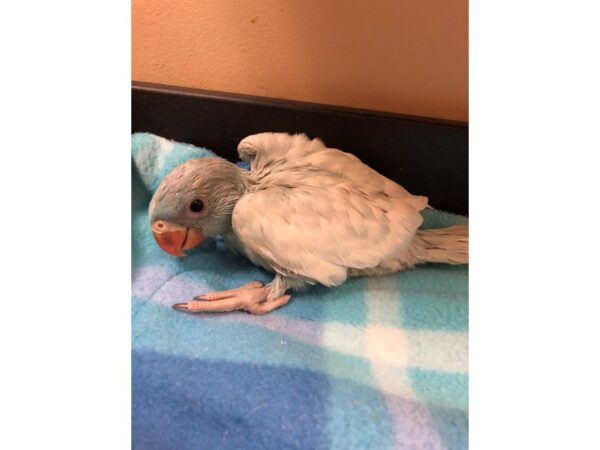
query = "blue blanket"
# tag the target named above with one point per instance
(375, 363)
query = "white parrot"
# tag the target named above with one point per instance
(308, 213)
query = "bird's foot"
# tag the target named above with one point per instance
(252, 297)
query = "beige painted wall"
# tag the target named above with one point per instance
(405, 56)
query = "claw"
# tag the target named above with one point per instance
(180, 306)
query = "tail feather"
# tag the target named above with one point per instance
(444, 245)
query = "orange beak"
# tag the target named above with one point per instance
(174, 239)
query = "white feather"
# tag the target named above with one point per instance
(315, 213)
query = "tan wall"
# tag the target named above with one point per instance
(405, 56)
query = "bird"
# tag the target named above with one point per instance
(307, 213)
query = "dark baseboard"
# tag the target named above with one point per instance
(426, 156)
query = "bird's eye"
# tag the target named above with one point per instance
(196, 206)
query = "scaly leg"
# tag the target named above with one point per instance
(254, 297)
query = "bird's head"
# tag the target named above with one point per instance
(194, 201)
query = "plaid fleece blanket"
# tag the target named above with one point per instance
(376, 363)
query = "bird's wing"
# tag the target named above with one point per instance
(267, 151)
(317, 231)
(349, 167)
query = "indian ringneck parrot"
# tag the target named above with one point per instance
(307, 213)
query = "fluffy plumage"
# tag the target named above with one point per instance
(309, 213)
